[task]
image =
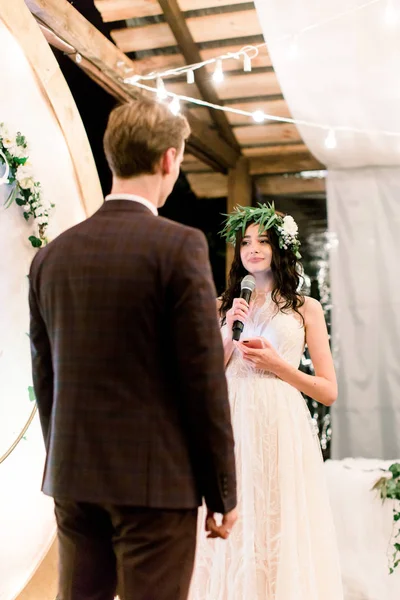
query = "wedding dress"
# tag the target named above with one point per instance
(283, 545)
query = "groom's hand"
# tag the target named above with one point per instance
(223, 530)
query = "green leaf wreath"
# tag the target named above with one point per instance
(266, 217)
(24, 189)
(389, 488)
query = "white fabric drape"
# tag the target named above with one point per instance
(337, 62)
(27, 524)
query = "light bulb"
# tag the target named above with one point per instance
(246, 63)
(258, 116)
(218, 75)
(190, 76)
(161, 91)
(175, 105)
(330, 141)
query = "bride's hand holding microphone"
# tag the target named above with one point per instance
(238, 312)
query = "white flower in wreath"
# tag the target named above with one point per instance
(289, 226)
(11, 145)
(24, 176)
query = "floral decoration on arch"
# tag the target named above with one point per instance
(25, 189)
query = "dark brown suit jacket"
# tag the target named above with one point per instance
(128, 364)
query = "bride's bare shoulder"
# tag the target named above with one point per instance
(310, 308)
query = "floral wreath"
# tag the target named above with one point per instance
(25, 191)
(266, 217)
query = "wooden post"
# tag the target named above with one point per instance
(239, 192)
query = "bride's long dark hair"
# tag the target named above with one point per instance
(285, 270)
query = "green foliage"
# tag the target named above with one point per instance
(266, 217)
(389, 489)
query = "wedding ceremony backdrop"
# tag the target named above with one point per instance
(36, 102)
(291, 101)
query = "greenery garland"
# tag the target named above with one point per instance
(27, 193)
(25, 190)
(389, 488)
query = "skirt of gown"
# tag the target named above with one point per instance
(283, 546)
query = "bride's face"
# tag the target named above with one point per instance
(255, 251)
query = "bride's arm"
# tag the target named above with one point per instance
(322, 386)
(227, 340)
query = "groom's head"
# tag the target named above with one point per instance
(144, 138)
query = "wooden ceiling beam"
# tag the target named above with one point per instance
(107, 65)
(207, 28)
(289, 163)
(120, 10)
(215, 185)
(178, 25)
(267, 134)
(162, 62)
(279, 185)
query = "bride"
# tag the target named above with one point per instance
(283, 545)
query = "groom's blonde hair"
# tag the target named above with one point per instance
(138, 133)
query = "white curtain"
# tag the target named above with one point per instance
(338, 63)
(27, 525)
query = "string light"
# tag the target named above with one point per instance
(268, 117)
(161, 91)
(175, 105)
(249, 53)
(330, 141)
(258, 116)
(218, 75)
(190, 76)
(246, 63)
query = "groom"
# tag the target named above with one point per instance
(129, 378)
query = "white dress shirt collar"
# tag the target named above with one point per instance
(134, 198)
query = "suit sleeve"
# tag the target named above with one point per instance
(199, 351)
(42, 366)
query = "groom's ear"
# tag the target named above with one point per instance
(168, 161)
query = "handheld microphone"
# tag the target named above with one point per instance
(247, 287)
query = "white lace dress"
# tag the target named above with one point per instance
(283, 546)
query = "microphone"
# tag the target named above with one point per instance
(247, 287)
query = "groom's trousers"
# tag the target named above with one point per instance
(139, 553)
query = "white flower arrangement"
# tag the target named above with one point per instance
(25, 190)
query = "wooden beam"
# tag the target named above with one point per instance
(57, 95)
(162, 62)
(178, 25)
(210, 144)
(215, 185)
(209, 185)
(239, 192)
(267, 134)
(287, 163)
(108, 65)
(120, 10)
(208, 28)
(279, 185)
(245, 85)
(275, 150)
(191, 164)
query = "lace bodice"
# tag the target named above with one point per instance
(283, 330)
